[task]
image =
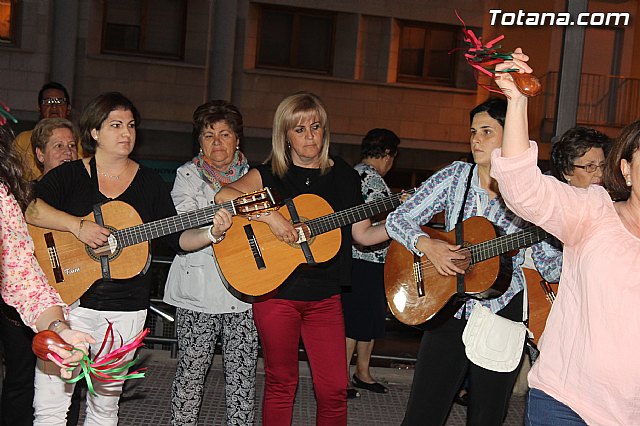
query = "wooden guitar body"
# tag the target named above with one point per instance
(72, 267)
(235, 254)
(541, 295)
(402, 288)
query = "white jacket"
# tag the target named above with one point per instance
(194, 281)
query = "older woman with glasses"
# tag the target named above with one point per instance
(578, 157)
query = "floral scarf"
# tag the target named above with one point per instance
(217, 179)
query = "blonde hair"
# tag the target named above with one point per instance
(291, 111)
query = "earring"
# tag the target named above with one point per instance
(237, 147)
(569, 181)
(201, 152)
(628, 181)
(288, 145)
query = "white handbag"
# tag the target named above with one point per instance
(493, 342)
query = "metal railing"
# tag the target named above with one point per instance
(163, 330)
(604, 100)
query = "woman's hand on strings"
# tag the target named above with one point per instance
(441, 254)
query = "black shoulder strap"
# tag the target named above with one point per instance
(460, 230)
(97, 216)
(466, 193)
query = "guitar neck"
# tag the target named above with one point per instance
(507, 243)
(159, 228)
(354, 214)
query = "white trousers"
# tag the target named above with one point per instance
(53, 395)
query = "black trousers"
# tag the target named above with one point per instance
(441, 368)
(20, 363)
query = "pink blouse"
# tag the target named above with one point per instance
(590, 347)
(23, 285)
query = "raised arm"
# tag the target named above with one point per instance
(515, 138)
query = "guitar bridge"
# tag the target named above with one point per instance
(255, 249)
(53, 257)
(417, 275)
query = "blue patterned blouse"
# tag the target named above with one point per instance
(444, 192)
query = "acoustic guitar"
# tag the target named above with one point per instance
(541, 295)
(416, 292)
(255, 262)
(72, 267)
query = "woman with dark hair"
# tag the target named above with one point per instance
(442, 362)
(587, 369)
(26, 298)
(65, 196)
(578, 157)
(307, 304)
(206, 311)
(365, 306)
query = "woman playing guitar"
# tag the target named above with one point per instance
(68, 193)
(308, 302)
(442, 362)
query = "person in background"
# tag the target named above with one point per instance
(53, 102)
(206, 311)
(442, 362)
(27, 299)
(365, 306)
(578, 157)
(307, 304)
(587, 369)
(67, 194)
(53, 142)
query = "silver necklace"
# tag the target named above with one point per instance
(115, 177)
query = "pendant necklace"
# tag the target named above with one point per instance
(115, 177)
(308, 182)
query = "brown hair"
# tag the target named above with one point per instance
(97, 111)
(623, 148)
(212, 112)
(43, 131)
(11, 169)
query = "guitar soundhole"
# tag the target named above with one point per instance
(111, 248)
(308, 238)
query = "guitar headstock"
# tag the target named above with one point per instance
(255, 202)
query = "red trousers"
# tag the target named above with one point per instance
(280, 324)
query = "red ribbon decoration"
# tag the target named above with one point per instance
(483, 57)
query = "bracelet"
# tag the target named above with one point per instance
(57, 323)
(213, 239)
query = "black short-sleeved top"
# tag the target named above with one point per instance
(69, 188)
(340, 187)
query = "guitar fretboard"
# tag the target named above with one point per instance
(355, 214)
(159, 228)
(496, 247)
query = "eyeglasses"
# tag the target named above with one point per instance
(590, 168)
(54, 101)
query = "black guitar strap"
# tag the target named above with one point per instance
(304, 244)
(97, 215)
(460, 231)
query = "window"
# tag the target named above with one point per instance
(7, 16)
(295, 39)
(153, 28)
(424, 54)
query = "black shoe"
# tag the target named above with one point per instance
(462, 399)
(352, 393)
(372, 387)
